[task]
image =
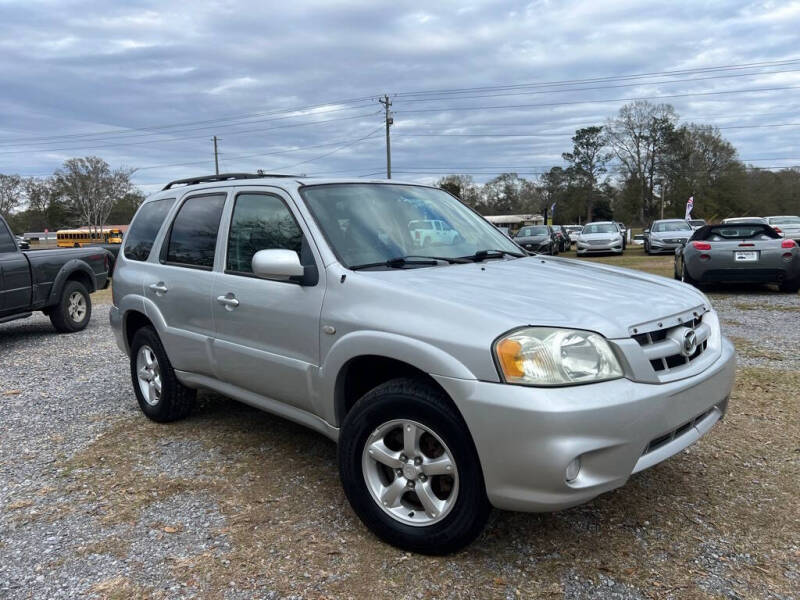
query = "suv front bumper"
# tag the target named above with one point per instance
(526, 437)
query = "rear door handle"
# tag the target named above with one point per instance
(159, 288)
(229, 301)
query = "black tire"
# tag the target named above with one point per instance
(686, 278)
(176, 400)
(64, 316)
(412, 399)
(790, 286)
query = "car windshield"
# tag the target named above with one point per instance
(599, 228)
(532, 231)
(671, 226)
(745, 220)
(375, 222)
(785, 221)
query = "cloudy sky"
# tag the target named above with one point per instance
(477, 87)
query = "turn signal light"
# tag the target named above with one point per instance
(788, 244)
(510, 354)
(701, 245)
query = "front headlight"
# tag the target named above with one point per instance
(546, 356)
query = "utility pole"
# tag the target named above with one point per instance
(389, 120)
(216, 157)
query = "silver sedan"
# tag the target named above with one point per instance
(739, 252)
(601, 237)
(666, 235)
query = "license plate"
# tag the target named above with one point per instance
(746, 256)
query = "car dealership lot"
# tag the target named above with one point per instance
(235, 503)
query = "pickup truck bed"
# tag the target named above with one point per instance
(57, 282)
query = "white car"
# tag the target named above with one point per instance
(573, 231)
(744, 220)
(787, 226)
(432, 233)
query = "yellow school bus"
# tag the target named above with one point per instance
(75, 238)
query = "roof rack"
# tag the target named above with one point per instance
(224, 177)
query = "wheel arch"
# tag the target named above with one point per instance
(73, 270)
(361, 361)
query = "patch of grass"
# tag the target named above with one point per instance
(749, 349)
(102, 296)
(634, 257)
(748, 306)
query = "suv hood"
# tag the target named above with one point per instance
(608, 300)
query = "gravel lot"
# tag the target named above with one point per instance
(232, 503)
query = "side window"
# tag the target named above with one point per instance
(260, 222)
(7, 243)
(193, 236)
(144, 229)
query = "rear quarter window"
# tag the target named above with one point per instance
(145, 227)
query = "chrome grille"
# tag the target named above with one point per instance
(674, 347)
(598, 242)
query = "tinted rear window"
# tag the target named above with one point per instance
(193, 237)
(7, 243)
(145, 227)
(738, 231)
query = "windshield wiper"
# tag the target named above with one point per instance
(484, 254)
(401, 261)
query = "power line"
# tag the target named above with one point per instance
(604, 101)
(207, 121)
(593, 88)
(604, 79)
(241, 156)
(561, 133)
(191, 137)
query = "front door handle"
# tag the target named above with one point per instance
(229, 301)
(159, 288)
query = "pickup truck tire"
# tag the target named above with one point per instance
(74, 309)
(445, 467)
(161, 396)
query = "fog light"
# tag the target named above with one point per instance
(573, 469)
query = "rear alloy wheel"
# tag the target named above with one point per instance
(410, 470)
(160, 395)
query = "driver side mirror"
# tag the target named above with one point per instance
(646, 231)
(280, 265)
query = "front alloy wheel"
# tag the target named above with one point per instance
(410, 472)
(410, 469)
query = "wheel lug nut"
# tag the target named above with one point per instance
(403, 457)
(418, 461)
(411, 484)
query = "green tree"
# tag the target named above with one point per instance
(11, 193)
(92, 188)
(588, 161)
(639, 136)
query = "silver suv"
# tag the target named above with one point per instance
(449, 376)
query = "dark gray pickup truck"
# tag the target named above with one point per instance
(56, 282)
